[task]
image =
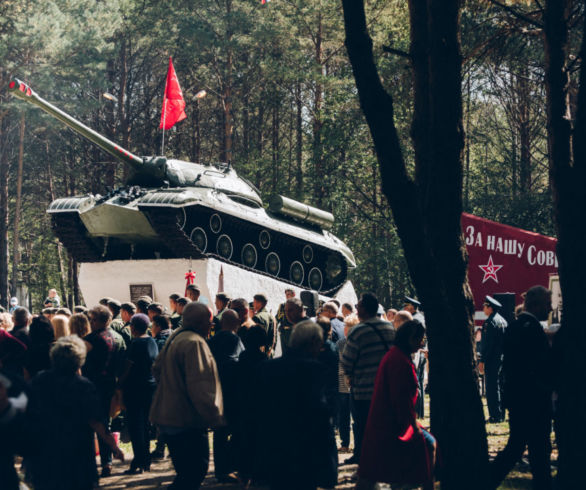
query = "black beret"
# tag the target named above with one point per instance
(114, 302)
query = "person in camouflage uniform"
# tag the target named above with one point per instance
(181, 303)
(221, 302)
(127, 311)
(265, 319)
(283, 324)
(118, 324)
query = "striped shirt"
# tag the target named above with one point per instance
(363, 353)
(342, 385)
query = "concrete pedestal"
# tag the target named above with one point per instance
(167, 276)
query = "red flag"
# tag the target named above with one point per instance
(173, 103)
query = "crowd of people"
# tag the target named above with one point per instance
(177, 372)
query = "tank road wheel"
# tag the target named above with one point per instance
(249, 255)
(315, 279)
(264, 239)
(307, 254)
(215, 223)
(199, 238)
(296, 272)
(224, 247)
(273, 264)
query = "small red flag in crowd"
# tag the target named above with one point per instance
(173, 103)
(264, 1)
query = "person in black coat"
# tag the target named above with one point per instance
(528, 392)
(138, 387)
(246, 399)
(291, 400)
(226, 347)
(13, 400)
(161, 329)
(62, 414)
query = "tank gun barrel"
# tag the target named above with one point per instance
(23, 91)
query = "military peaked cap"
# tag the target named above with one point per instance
(493, 303)
(412, 301)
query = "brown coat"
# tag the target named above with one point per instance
(189, 394)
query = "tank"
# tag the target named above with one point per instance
(175, 209)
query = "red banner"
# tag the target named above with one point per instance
(504, 259)
(173, 103)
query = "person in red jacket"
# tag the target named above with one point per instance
(396, 449)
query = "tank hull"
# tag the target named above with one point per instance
(197, 223)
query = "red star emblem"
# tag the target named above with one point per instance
(490, 270)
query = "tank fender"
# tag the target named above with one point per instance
(168, 198)
(69, 204)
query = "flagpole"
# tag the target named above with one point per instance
(164, 122)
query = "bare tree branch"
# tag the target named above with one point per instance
(398, 52)
(517, 14)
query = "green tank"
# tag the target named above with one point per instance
(176, 209)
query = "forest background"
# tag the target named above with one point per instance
(281, 105)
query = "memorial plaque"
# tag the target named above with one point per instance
(138, 290)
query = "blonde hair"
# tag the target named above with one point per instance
(351, 320)
(79, 325)
(68, 354)
(6, 321)
(60, 325)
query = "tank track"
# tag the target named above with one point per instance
(164, 221)
(71, 232)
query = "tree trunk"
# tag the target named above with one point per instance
(427, 213)
(275, 142)
(567, 156)
(319, 173)
(77, 298)
(227, 93)
(299, 145)
(17, 206)
(260, 145)
(4, 173)
(124, 103)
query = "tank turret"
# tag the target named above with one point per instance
(175, 209)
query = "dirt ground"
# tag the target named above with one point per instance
(162, 473)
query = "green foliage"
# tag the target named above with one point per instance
(280, 73)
